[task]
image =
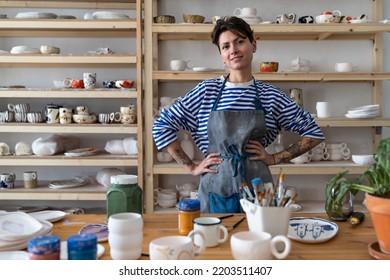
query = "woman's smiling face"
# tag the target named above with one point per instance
(236, 51)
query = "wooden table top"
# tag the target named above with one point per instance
(350, 243)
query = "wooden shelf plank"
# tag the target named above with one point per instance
(68, 128)
(276, 77)
(76, 60)
(312, 168)
(75, 4)
(43, 192)
(62, 160)
(346, 122)
(69, 93)
(277, 31)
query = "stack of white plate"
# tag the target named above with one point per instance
(363, 112)
(24, 49)
(36, 15)
(252, 19)
(109, 15)
(17, 228)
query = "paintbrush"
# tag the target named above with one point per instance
(236, 224)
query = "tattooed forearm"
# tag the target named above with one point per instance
(179, 155)
(304, 145)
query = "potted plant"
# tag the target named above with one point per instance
(375, 182)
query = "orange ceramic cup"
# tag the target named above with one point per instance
(270, 66)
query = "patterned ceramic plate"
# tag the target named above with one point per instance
(311, 230)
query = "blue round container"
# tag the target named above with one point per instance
(82, 247)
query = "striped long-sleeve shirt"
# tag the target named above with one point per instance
(192, 112)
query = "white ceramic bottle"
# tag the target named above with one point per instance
(188, 146)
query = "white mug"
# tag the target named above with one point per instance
(66, 115)
(336, 145)
(248, 245)
(176, 247)
(306, 157)
(323, 110)
(180, 65)
(212, 230)
(344, 67)
(125, 236)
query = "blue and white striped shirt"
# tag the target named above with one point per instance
(192, 112)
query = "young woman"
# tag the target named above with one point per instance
(232, 119)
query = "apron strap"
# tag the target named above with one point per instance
(238, 159)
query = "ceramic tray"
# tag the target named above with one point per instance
(82, 152)
(37, 15)
(311, 230)
(49, 215)
(71, 183)
(101, 231)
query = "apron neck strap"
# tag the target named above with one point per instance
(258, 104)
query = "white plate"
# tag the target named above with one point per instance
(311, 230)
(71, 183)
(81, 152)
(101, 231)
(18, 225)
(295, 207)
(361, 116)
(366, 108)
(36, 15)
(49, 215)
(64, 250)
(109, 15)
(14, 255)
(205, 69)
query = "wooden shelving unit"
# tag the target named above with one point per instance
(78, 28)
(154, 77)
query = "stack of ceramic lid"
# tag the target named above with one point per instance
(36, 15)
(109, 15)
(17, 228)
(363, 112)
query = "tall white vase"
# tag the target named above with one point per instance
(188, 146)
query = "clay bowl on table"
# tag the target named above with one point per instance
(164, 19)
(193, 18)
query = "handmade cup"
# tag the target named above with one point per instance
(274, 220)
(125, 235)
(89, 80)
(212, 229)
(30, 179)
(82, 110)
(248, 245)
(181, 65)
(344, 67)
(66, 115)
(323, 110)
(176, 247)
(7, 180)
(269, 66)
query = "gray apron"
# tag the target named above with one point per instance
(228, 133)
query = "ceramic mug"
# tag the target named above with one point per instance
(125, 235)
(248, 245)
(104, 118)
(128, 119)
(30, 179)
(128, 110)
(89, 80)
(82, 110)
(344, 67)
(7, 116)
(323, 110)
(52, 113)
(21, 116)
(215, 19)
(7, 180)
(306, 19)
(304, 158)
(212, 230)
(35, 117)
(66, 115)
(181, 65)
(341, 145)
(176, 247)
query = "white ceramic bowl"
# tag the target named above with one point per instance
(363, 159)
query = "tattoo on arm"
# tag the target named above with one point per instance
(181, 157)
(297, 149)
